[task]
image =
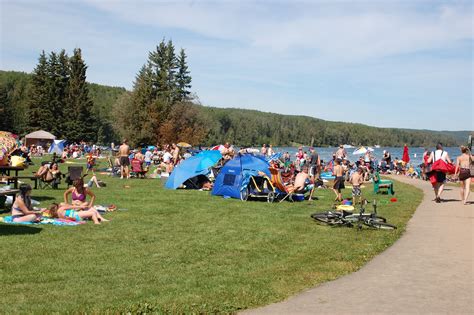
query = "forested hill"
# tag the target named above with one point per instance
(250, 127)
(239, 126)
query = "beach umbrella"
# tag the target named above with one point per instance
(184, 145)
(406, 156)
(8, 142)
(195, 165)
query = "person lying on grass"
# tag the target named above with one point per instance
(66, 211)
(78, 194)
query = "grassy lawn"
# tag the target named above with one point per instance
(184, 251)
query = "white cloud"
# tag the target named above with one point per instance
(344, 30)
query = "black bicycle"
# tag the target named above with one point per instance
(349, 219)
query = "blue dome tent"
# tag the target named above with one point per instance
(57, 147)
(235, 175)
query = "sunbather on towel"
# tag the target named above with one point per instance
(66, 211)
(22, 210)
(78, 194)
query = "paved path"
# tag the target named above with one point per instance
(428, 270)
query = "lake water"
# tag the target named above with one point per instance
(416, 153)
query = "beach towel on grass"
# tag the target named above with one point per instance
(62, 222)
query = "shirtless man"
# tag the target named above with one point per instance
(123, 153)
(341, 153)
(356, 180)
(338, 172)
(302, 181)
(175, 153)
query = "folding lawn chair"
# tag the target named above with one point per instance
(281, 189)
(73, 173)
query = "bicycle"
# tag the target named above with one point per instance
(349, 219)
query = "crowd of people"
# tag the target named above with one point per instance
(304, 172)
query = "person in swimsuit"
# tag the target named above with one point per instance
(338, 172)
(357, 179)
(21, 209)
(463, 164)
(68, 212)
(78, 194)
(123, 153)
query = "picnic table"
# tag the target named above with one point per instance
(10, 192)
(6, 169)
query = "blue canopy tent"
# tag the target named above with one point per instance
(235, 175)
(57, 147)
(196, 165)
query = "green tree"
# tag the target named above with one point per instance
(81, 123)
(39, 97)
(6, 111)
(183, 78)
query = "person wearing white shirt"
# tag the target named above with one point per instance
(439, 154)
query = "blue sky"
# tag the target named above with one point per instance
(383, 63)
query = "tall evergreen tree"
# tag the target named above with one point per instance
(59, 74)
(6, 110)
(81, 123)
(39, 97)
(183, 79)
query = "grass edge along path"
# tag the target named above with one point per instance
(185, 252)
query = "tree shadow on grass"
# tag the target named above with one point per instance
(6, 230)
(43, 198)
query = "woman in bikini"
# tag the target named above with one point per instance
(463, 164)
(65, 211)
(78, 194)
(22, 210)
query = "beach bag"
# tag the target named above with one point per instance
(433, 179)
(17, 161)
(441, 166)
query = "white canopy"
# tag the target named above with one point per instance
(40, 134)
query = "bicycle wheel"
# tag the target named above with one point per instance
(380, 225)
(326, 218)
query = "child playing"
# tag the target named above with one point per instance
(356, 179)
(65, 211)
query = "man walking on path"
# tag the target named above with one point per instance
(124, 152)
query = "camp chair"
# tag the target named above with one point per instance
(73, 173)
(137, 168)
(380, 184)
(281, 189)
